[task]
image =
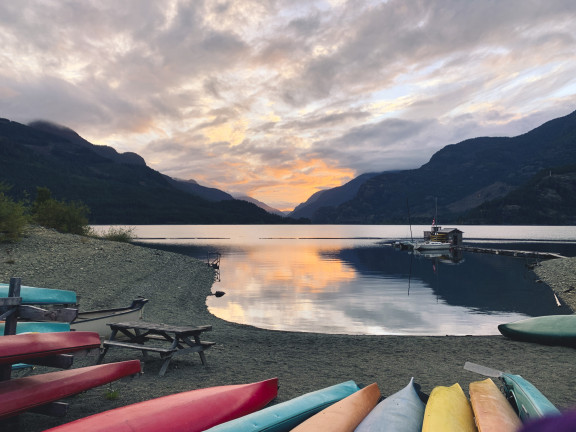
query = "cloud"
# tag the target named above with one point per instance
(235, 94)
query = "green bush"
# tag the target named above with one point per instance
(119, 234)
(62, 216)
(13, 217)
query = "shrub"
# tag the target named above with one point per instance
(62, 216)
(119, 234)
(13, 217)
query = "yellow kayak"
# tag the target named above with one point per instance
(345, 415)
(448, 410)
(492, 411)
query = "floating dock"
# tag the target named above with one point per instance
(510, 252)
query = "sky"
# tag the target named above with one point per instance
(278, 99)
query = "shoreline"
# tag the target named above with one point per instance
(107, 274)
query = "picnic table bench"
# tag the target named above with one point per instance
(135, 335)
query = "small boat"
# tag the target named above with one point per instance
(432, 245)
(530, 402)
(38, 327)
(492, 412)
(34, 296)
(98, 320)
(285, 416)
(401, 412)
(20, 347)
(345, 415)
(191, 411)
(448, 410)
(22, 394)
(547, 330)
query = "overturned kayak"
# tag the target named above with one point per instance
(287, 415)
(345, 415)
(492, 412)
(530, 402)
(547, 330)
(36, 296)
(401, 412)
(191, 411)
(448, 410)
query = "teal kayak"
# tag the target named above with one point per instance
(547, 330)
(33, 295)
(287, 415)
(402, 411)
(531, 404)
(38, 327)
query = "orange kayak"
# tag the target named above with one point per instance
(345, 415)
(492, 412)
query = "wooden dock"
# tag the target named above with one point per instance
(511, 252)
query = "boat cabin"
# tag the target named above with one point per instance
(444, 235)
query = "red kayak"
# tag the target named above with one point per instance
(21, 394)
(191, 411)
(20, 347)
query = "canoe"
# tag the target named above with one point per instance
(20, 347)
(547, 330)
(492, 412)
(345, 415)
(98, 320)
(22, 394)
(287, 415)
(38, 327)
(33, 295)
(448, 410)
(191, 411)
(530, 402)
(401, 412)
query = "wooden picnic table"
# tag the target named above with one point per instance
(135, 335)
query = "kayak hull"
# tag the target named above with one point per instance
(34, 295)
(547, 330)
(195, 410)
(530, 402)
(402, 411)
(492, 412)
(448, 410)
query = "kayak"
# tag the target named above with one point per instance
(448, 410)
(191, 411)
(33, 295)
(287, 415)
(547, 330)
(401, 412)
(492, 411)
(21, 394)
(20, 347)
(530, 402)
(345, 415)
(38, 327)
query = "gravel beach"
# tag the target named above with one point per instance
(107, 274)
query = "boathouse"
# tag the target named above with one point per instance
(444, 235)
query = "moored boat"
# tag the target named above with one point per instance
(448, 410)
(548, 330)
(492, 412)
(345, 415)
(432, 245)
(191, 411)
(402, 411)
(285, 416)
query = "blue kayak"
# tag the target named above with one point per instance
(287, 415)
(33, 295)
(38, 327)
(401, 412)
(531, 404)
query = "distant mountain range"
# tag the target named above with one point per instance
(117, 187)
(528, 179)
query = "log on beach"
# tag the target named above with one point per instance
(108, 274)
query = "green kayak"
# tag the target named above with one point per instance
(547, 330)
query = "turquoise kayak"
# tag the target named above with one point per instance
(287, 415)
(38, 327)
(402, 411)
(33, 295)
(531, 404)
(547, 330)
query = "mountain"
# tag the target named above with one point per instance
(261, 205)
(462, 177)
(117, 187)
(330, 197)
(192, 186)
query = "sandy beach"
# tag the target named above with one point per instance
(107, 274)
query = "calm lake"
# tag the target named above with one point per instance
(349, 279)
